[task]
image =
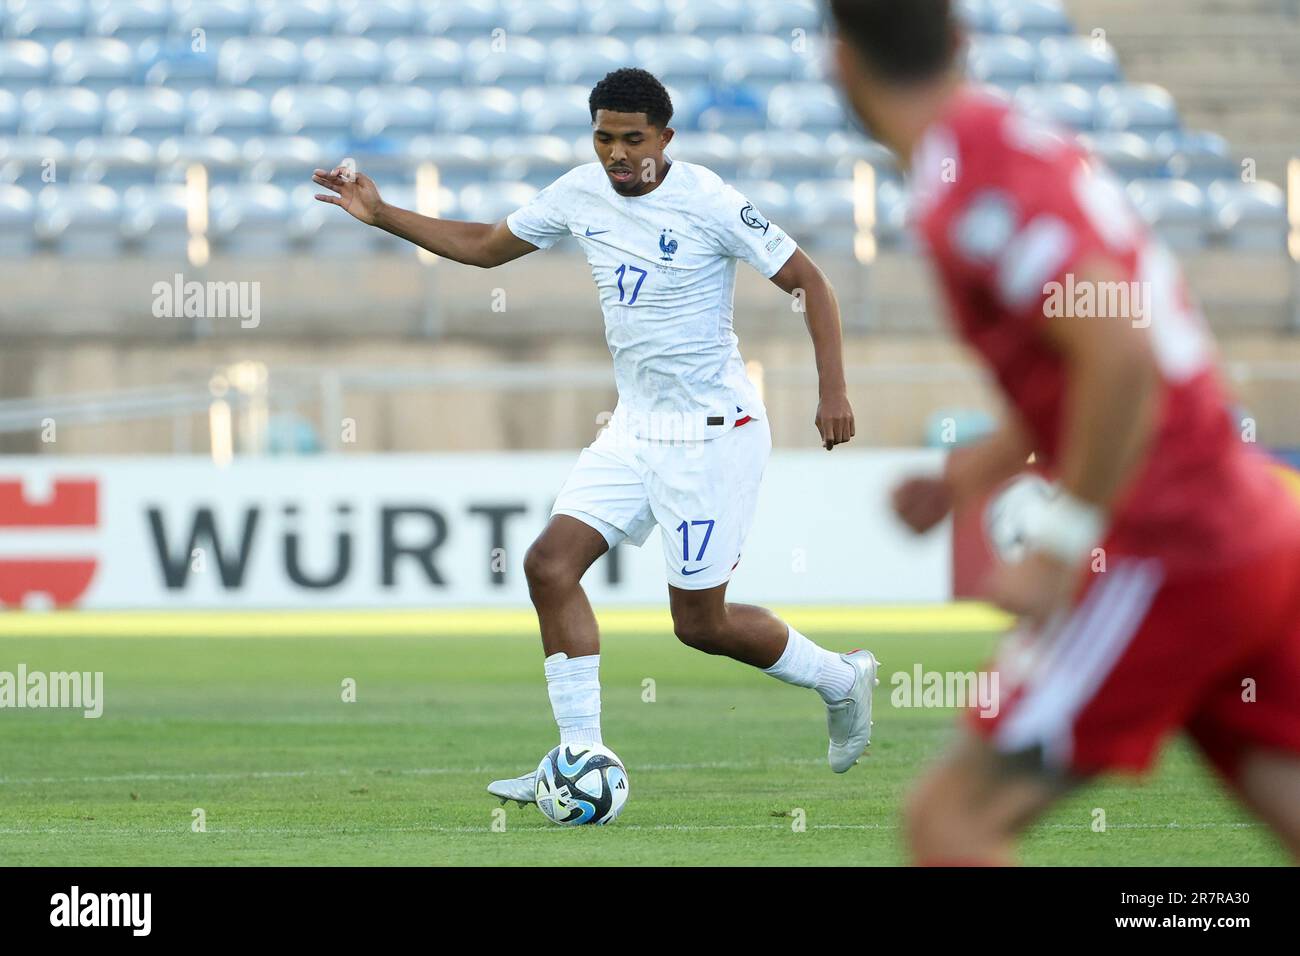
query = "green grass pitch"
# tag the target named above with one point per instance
(254, 731)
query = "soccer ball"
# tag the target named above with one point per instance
(581, 783)
(1006, 519)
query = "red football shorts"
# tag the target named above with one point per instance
(1138, 657)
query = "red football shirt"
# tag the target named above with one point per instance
(1009, 208)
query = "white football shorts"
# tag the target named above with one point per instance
(701, 493)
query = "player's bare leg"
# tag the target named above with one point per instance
(968, 809)
(554, 567)
(1269, 782)
(753, 635)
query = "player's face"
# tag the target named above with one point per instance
(631, 149)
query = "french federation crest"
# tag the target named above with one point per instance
(667, 246)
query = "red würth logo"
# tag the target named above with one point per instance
(26, 569)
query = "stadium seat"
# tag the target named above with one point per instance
(515, 64)
(780, 18)
(488, 110)
(321, 112)
(708, 21)
(216, 154)
(785, 154)
(1083, 61)
(317, 228)
(345, 61)
(263, 64)
(1201, 157)
(155, 220)
(822, 215)
(535, 160)
(432, 63)
(10, 114)
(734, 109)
(1062, 103)
(24, 65)
(67, 112)
(676, 60)
(1142, 108)
(492, 203)
(1176, 209)
(79, 219)
(1005, 61)
(285, 161)
(395, 113)
(559, 110)
(46, 21)
(294, 20)
(460, 159)
(130, 21)
(116, 161)
(628, 20)
(977, 16)
(32, 161)
(892, 217)
(249, 220)
(846, 150)
(1128, 155)
(236, 114)
(146, 112)
(1250, 217)
(760, 62)
(206, 24)
(463, 20)
(716, 151)
(98, 64)
(378, 20)
(17, 222)
(1031, 19)
(543, 19)
(814, 107)
(584, 61)
(174, 65)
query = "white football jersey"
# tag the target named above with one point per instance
(665, 267)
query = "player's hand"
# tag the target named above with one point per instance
(1034, 588)
(834, 420)
(922, 502)
(357, 193)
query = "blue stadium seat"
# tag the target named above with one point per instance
(294, 20)
(97, 64)
(116, 161)
(238, 115)
(1175, 208)
(708, 21)
(130, 21)
(378, 20)
(977, 16)
(249, 219)
(487, 110)
(155, 220)
(848, 149)
(32, 161)
(395, 113)
(755, 61)
(174, 65)
(780, 18)
(17, 222)
(734, 109)
(559, 110)
(146, 112)
(24, 65)
(347, 61)
(814, 107)
(10, 114)
(585, 60)
(209, 23)
(285, 161)
(1201, 157)
(1031, 19)
(1251, 217)
(1006, 61)
(79, 219)
(321, 112)
(785, 154)
(263, 64)
(67, 112)
(46, 21)
(1064, 104)
(464, 20)
(519, 63)
(1142, 108)
(1127, 155)
(681, 60)
(544, 19)
(628, 20)
(822, 214)
(715, 150)
(433, 63)
(461, 159)
(535, 160)
(1080, 60)
(217, 154)
(492, 203)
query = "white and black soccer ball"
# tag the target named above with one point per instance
(581, 783)
(1010, 513)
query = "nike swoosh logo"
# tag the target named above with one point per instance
(598, 232)
(696, 571)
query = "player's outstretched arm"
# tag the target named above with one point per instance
(472, 243)
(801, 278)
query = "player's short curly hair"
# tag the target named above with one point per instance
(902, 41)
(632, 90)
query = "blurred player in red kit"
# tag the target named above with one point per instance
(1160, 590)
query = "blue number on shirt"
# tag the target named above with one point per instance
(685, 528)
(622, 271)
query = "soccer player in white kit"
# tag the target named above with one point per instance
(687, 443)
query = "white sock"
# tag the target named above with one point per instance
(574, 686)
(804, 664)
